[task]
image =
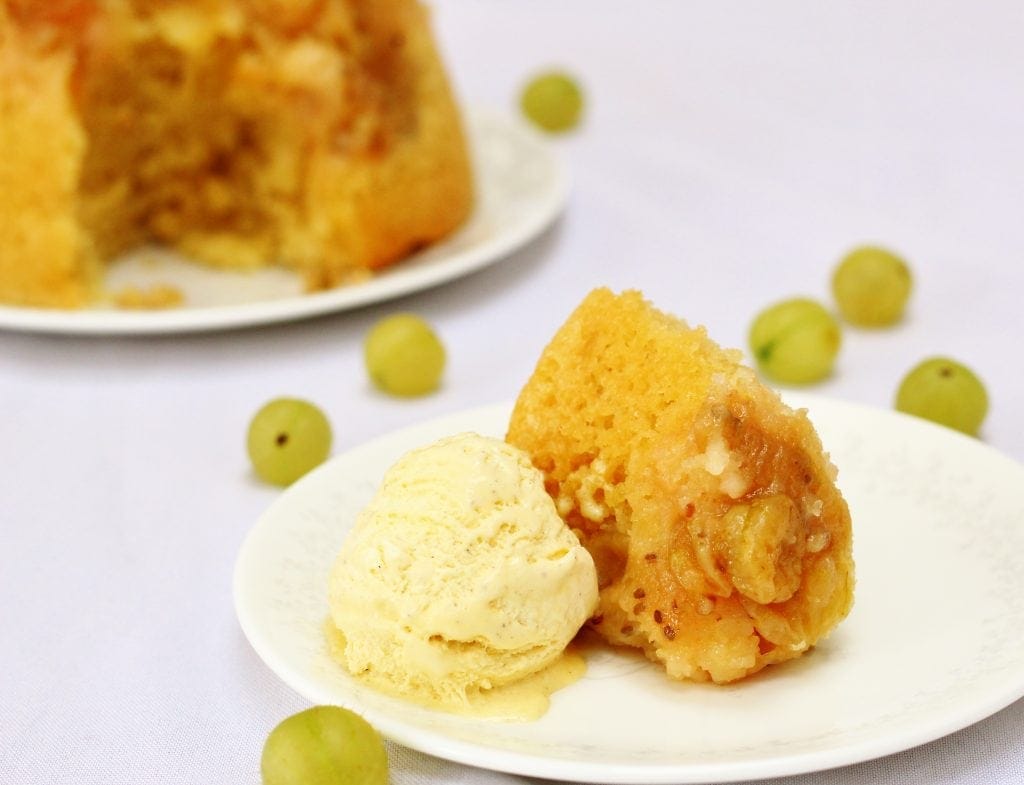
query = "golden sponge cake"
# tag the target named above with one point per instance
(316, 134)
(721, 541)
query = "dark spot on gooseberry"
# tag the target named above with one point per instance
(281, 439)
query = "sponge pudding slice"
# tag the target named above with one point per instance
(710, 508)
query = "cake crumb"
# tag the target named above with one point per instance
(153, 298)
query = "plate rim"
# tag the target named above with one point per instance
(392, 283)
(523, 764)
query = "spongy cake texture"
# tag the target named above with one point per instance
(316, 134)
(721, 541)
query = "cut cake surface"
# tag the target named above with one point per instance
(710, 507)
(320, 135)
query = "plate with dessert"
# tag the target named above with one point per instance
(650, 569)
(206, 167)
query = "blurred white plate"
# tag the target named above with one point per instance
(935, 641)
(521, 188)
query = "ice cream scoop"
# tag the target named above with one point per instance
(459, 576)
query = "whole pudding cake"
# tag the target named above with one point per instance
(320, 135)
(721, 542)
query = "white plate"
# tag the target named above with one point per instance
(521, 188)
(935, 641)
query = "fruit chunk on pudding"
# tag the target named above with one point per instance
(710, 507)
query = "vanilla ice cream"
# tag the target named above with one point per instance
(459, 576)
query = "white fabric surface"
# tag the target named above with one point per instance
(731, 152)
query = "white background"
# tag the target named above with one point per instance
(731, 153)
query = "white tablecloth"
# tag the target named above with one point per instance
(731, 153)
